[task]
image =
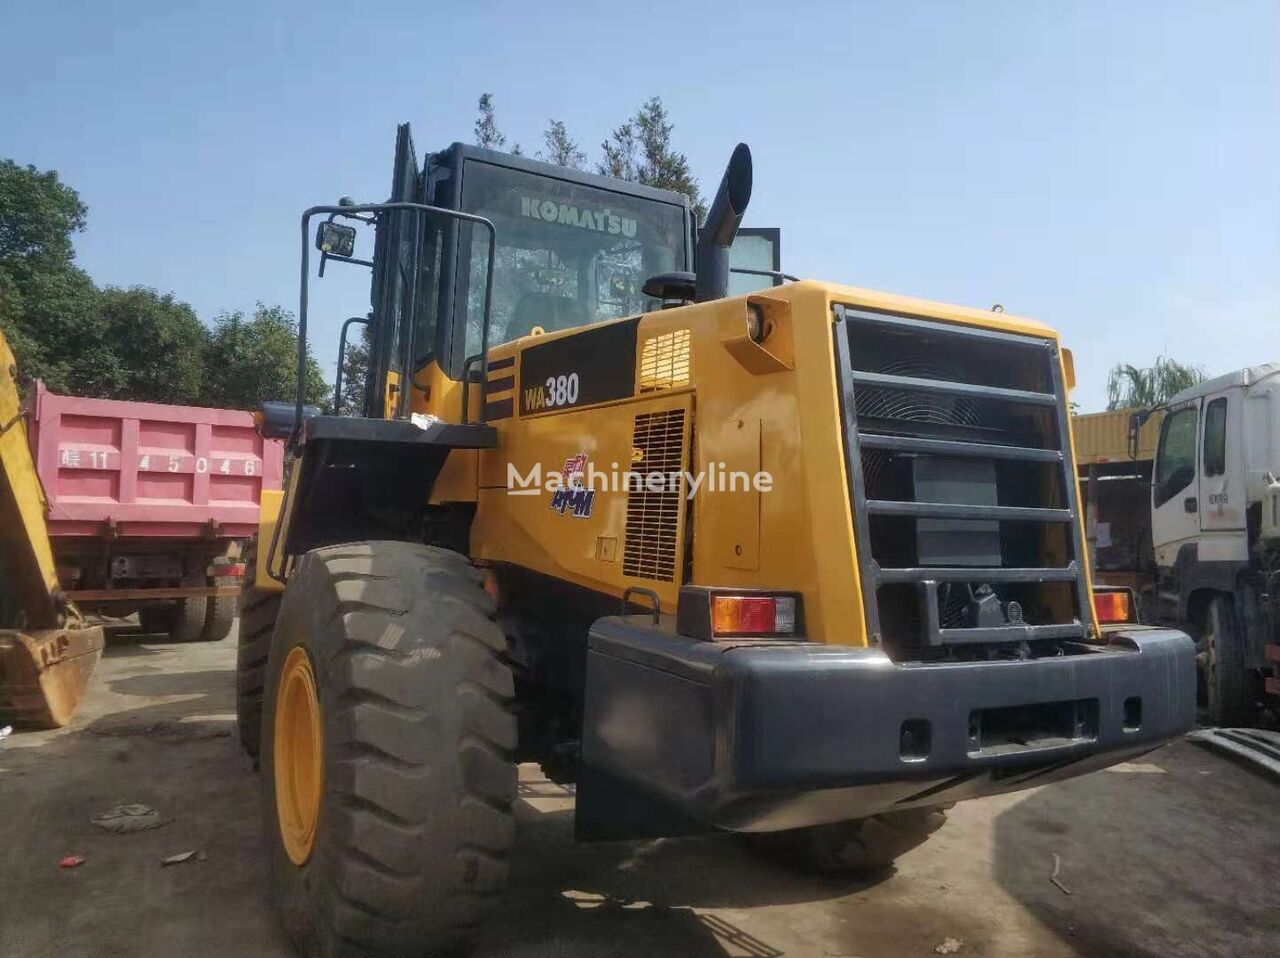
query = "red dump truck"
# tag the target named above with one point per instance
(148, 504)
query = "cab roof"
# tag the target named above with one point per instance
(1245, 377)
(458, 152)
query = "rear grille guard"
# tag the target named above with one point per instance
(927, 579)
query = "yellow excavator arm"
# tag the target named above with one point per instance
(47, 652)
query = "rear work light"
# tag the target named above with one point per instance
(1113, 607)
(753, 615)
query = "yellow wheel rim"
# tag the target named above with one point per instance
(299, 756)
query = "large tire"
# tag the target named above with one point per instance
(861, 846)
(408, 846)
(182, 620)
(189, 616)
(258, 610)
(221, 613)
(1221, 656)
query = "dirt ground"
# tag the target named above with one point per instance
(1172, 855)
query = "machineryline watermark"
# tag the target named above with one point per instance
(579, 474)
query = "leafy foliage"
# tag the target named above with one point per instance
(38, 214)
(155, 347)
(619, 154)
(113, 343)
(48, 317)
(45, 300)
(1131, 386)
(562, 149)
(486, 129)
(661, 164)
(639, 150)
(255, 359)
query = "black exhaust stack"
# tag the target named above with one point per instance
(723, 219)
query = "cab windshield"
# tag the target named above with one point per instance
(567, 254)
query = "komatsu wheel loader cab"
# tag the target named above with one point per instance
(803, 563)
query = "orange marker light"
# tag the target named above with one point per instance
(753, 615)
(1112, 606)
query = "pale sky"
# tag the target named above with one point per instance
(1108, 168)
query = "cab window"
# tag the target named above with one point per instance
(1215, 437)
(567, 255)
(1176, 457)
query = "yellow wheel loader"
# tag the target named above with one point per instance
(803, 563)
(47, 652)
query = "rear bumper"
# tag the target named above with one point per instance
(763, 736)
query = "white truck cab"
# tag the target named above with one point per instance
(1215, 494)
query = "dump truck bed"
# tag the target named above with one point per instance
(1103, 437)
(150, 470)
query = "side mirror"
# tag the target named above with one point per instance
(336, 239)
(1136, 421)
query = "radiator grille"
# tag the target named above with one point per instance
(962, 485)
(664, 361)
(653, 518)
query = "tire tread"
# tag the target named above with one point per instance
(420, 734)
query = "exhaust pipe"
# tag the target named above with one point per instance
(723, 220)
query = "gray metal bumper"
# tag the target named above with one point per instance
(763, 736)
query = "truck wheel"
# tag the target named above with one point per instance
(258, 610)
(221, 614)
(1221, 656)
(387, 736)
(860, 846)
(187, 624)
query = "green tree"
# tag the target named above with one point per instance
(252, 360)
(640, 150)
(135, 343)
(159, 346)
(48, 318)
(38, 214)
(619, 154)
(486, 129)
(45, 300)
(562, 149)
(487, 133)
(1130, 386)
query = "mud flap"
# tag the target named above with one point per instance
(44, 674)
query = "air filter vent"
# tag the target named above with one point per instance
(664, 361)
(653, 518)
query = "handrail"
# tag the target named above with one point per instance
(305, 275)
(342, 358)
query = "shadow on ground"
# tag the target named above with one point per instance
(1193, 839)
(635, 898)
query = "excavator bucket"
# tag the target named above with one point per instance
(46, 652)
(44, 674)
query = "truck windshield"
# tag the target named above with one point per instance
(568, 254)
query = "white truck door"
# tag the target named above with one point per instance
(1222, 479)
(1175, 486)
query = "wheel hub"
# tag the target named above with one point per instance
(299, 756)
